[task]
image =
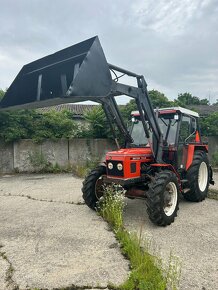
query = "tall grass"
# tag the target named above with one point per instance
(147, 270)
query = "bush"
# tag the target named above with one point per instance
(30, 124)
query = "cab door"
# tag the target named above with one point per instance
(186, 135)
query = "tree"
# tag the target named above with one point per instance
(204, 102)
(127, 109)
(159, 100)
(186, 99)
(209, 125)
(2, 93)
(98, 127)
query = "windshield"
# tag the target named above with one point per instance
(168, 126)
(138, 135)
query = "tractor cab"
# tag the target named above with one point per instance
(180, 129)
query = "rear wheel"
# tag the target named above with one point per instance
(163, 198)
(198, 177)
(93, 186)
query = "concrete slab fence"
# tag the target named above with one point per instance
(16, 156)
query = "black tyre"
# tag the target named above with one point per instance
(163, 198)
(93, 186)
(198, 177)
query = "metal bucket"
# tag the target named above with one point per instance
(79, 71)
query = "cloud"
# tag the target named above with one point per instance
(173, 43)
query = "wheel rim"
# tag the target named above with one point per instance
(170, 198)
(99, 190)
(203, 176)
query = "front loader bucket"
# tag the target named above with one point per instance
(79, 71)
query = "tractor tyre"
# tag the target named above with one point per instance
(163, 198)
(198, 177)
(93, 186)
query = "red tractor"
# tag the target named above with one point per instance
(184, 167)
(162, 155)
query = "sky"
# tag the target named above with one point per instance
(173, 43)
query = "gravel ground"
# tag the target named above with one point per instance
(44, 230)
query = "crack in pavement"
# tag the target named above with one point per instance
(43, 200)
(13, 286)
(9, 273)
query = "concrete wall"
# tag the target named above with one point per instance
(18, 156)
(76, 152)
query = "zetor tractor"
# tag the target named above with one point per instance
(163, 154)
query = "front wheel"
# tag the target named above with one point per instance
(163, 198)
(93, 186)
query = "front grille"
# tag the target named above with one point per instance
(133, 167)
(114, 171)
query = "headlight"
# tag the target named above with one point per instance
(110, 165)
(119, 166)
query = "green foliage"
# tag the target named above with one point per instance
(209, 125)
(42, 165)
(111, 206)
(148, 271)
(214, 160)
(97, 124)
(159, 100)
(186, 99)
(83, 170)
(16, 125)
(127, 109)
(30, 124)
(54, 125)
(2, 93)
(204, 102)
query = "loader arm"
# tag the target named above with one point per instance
(147, 114)
(80, 73)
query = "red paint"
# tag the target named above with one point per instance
(131, 155)
(197, 137)
(167, 112)
(191, 150)
(190, 155)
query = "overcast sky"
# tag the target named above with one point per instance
(174, 44)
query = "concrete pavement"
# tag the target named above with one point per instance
(50, 240)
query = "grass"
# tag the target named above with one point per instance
(83, 170)
(147, 269)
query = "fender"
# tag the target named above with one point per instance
(190, 153)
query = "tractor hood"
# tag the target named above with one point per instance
(134, 153)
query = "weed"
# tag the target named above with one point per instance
(83, 170)
(147, 270)
(38, 160)
(214, 159)
(111, 206)
(42, 165)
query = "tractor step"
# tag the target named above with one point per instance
(186, 190)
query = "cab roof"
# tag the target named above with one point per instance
(172, 110)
